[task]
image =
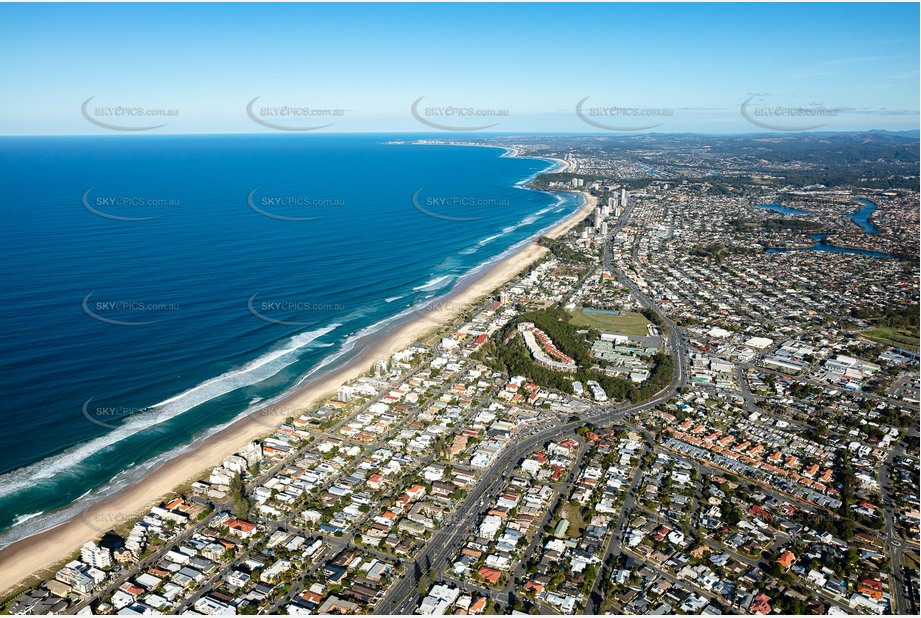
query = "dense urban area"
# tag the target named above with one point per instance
(703, 399)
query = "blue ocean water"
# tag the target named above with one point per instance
(156, 287)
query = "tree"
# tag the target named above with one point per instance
(241, 503)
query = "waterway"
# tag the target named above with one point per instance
(821, 245)
(861, 218)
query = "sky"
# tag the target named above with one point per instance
(707, 68)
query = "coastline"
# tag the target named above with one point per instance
(510, 152)
(21, 560)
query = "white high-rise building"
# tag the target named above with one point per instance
(252, 453)
(95, 556)
(623, 197)
(597, 213)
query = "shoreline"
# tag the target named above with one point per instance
(510, 152)
(23, 559)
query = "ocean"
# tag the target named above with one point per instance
(158, 287)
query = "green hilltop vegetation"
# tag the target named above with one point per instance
(507, 353)
(543, 181)
(563, 251)
(897, 327)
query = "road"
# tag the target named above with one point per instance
(337, 544)
(612, 549)
(404, 596)
(718, 600)
(903, 601)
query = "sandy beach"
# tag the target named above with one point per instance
(20, 560)
(510, 151)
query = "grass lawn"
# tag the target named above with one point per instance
(576, 525)
(893, 337)
(627, 323)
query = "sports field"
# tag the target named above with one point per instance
(893, 337)
(627, 323)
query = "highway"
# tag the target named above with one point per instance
(404, 596)
(904, 601)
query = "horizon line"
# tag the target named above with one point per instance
(470, 135)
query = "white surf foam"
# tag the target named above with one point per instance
(24, 518)
(433, 284)
(253, 372)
